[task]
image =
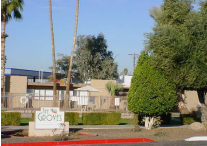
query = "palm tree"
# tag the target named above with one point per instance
(125, 72)
(66, 103)
(53, 56)
(113, 90)
(9, 9)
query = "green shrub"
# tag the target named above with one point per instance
(187, 119)
(10, 118)
(72, 118)
(33, 116)
(101, 118)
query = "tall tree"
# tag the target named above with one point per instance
(66, 103)
(93, 60)
(150, 94)
(53, 57)
(62, 66)
(178, 45)
(9, 9)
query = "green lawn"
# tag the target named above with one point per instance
(175, 115)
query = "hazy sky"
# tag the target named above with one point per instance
(123, 22)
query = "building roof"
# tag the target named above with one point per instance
(87, 88)
(28, 73)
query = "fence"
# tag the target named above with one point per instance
(32, 102)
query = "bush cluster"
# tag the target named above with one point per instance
(101, 118)
(10, 118)
(187, 119)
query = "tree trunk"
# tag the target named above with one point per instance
(181, 98)
(203, 106)
(3, 61)
(53, 57)
(66, 103)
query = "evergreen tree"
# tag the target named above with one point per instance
(150, 93)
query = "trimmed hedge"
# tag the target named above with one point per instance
(10, 118)
(33, 116)
(101, 118)
(72, 118)
(187, 119)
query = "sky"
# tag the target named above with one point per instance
(123, 23)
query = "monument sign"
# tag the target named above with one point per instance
(49, 118)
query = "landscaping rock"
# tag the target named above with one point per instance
(197, 126)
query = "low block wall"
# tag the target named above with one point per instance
(45, 132)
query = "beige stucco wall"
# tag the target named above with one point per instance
(101, 86)
(191, 99)
(103, 99)
(46, 132)
(18, 84)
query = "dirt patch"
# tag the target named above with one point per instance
(19, 136)
(160, 134)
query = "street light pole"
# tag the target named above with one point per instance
(117, 55)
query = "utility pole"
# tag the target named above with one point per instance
(133, 59)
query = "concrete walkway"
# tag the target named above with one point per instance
(97, 127)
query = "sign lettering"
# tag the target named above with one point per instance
(49, 118)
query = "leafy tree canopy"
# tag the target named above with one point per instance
(178, 45)
(150, 93)
(93, 60)
(62, 65)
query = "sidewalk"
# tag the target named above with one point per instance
(97, 127)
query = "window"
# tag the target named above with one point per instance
(49, 94)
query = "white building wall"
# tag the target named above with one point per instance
(125, 80)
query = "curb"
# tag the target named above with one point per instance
(82, 142)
